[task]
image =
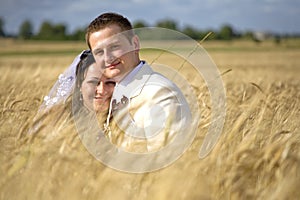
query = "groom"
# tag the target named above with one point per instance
(147, 110)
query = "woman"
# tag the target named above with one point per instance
(92, 91)
(80, 90)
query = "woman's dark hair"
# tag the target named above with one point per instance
(86, 60)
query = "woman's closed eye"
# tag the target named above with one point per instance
(110, 83)
(93, 82)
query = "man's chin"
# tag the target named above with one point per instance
(111, 73)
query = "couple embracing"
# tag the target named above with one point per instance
(140, 110)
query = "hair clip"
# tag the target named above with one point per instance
(84, 54)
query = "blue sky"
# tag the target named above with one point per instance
(279, 16)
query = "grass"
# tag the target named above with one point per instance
(256, 157)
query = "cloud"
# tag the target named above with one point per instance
(244, 14)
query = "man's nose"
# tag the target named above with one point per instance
(109, 58)
(100, 88)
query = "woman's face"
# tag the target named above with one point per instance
(96, 90)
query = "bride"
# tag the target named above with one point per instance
(81, 89)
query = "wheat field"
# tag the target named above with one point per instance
(256, 157)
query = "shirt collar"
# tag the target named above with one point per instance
(128, 78)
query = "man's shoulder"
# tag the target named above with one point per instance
(149, 81)
(157, 78)
(153, 75)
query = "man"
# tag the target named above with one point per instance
(147, 108)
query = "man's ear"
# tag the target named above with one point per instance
(136, 42)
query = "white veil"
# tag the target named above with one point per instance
(58, 94)
(62, 88)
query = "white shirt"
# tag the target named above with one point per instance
(119, 88)
(128, 78)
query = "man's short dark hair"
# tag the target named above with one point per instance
(106, 19)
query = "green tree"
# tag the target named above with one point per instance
(59, 32)
(139, 24)
(226, 32)
(248, 35)
(26, 30)
(193, 32)
(49, 31)
(46, 31)
(167, 23)
(78, 34)
(2, 34)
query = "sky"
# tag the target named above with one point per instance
(275, 16)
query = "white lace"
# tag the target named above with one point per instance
(62, 88)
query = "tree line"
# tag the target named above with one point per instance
(51, 31)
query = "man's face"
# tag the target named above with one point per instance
(116, 55)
